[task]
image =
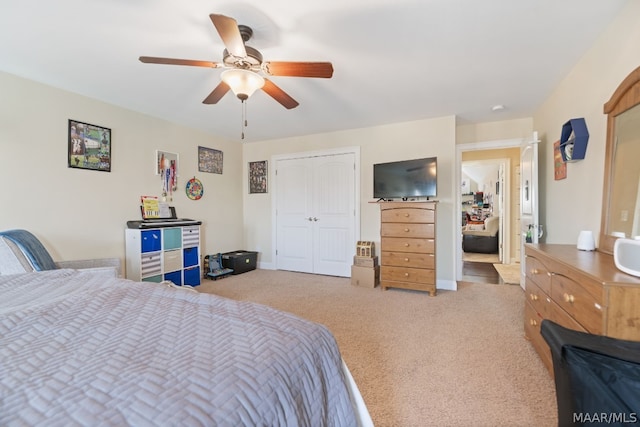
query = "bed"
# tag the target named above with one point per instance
(83, 347)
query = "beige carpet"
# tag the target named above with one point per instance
(457, 359)
(509, 273)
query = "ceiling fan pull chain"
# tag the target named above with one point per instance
(243, 121)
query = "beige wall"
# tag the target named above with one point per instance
(494, 131)
(423, 138)
(82, 214)
(574, 204)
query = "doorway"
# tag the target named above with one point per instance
(488, 199)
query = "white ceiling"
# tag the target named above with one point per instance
(393, 61)
(482, 173)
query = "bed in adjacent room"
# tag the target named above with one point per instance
(81, 348)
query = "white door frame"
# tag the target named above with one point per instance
(355, 150)
(460, 148)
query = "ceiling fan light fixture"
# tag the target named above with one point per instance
(243, 83)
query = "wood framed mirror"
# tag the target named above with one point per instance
(621, 192)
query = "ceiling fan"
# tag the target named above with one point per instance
(244, 66)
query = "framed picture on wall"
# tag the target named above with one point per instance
(258, 177)
(89, 146)
(209, 160)
(166, 166)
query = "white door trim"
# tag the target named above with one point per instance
(355, 150)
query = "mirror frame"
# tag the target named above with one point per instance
(625, 97)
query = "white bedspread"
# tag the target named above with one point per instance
(84, 349)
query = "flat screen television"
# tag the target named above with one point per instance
(406, 179)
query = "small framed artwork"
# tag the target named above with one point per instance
(258, 177)
(209, 160)
(559, 166)
(89, 146)
(167, 168)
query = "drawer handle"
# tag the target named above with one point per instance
(406, 215)
(534, 271)
(533, 322)
(406, 245)
(406, 230)
(406, 260)
(533, 297)
(406, 274)
(569, 298)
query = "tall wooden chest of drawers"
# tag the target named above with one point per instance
(579, 290)
(408, 246)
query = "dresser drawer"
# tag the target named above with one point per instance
(402, 274)
(405, 244)
(392, 229)
(540, 301)
(408, 215)
(532, 322)
(562, 318)
(538, 273)
(406, 259)
(578, 303)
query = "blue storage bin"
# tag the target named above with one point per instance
(192, 276)
(190, 257)
(150, 240)
(175, 277)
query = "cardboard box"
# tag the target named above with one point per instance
(365, 261)
(368, 277)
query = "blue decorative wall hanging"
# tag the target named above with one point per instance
(573, 140)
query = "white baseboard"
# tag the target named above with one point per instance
(447, 285)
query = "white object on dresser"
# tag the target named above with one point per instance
(586, 242)
(626, 256)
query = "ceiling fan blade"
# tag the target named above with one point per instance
(299, 69)
(279, 95)
(217, 94)
(230, 34)
(171, 61)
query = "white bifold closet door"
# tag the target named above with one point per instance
(315, 214)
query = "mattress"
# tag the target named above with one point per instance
(78, 348)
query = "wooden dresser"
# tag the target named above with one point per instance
(408, 246)
(579, 290)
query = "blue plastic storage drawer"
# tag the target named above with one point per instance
(175, 277)
(190, 257)
(150, 240)
(192, 276)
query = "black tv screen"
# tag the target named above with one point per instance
(405, 179)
